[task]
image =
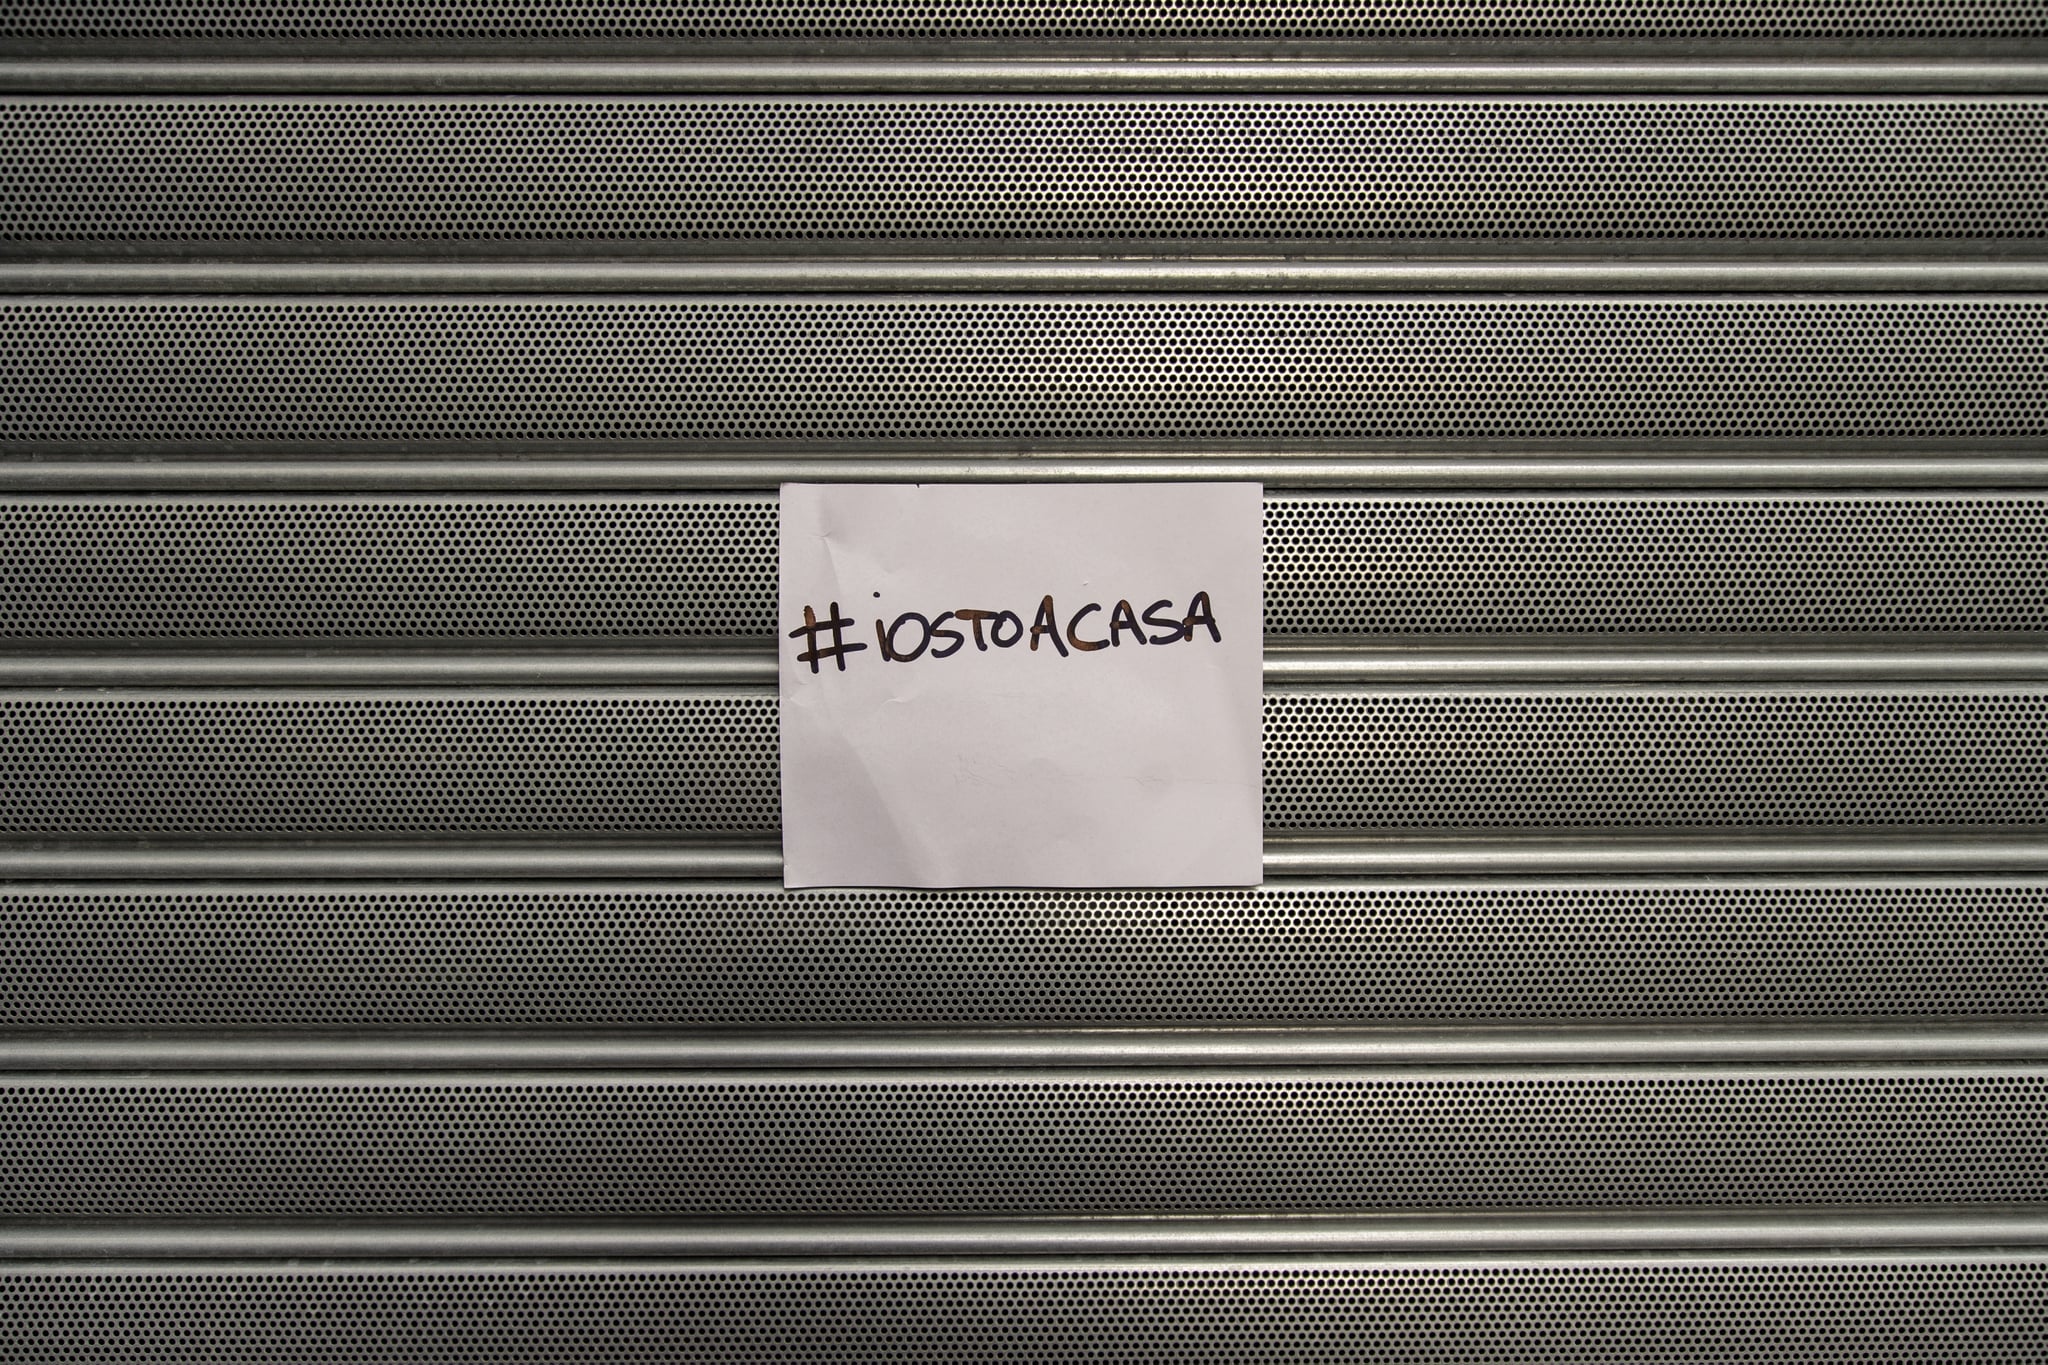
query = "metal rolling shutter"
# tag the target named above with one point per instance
(1653, 958)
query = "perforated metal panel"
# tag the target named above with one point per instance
(423, 761)
(1731, 938)
(808, 1143)
(628, 760)
(137, 372)
(1801, 1310)
(242, 170)
(497, 567)
(427, 956)
(1655, 757)
(505, 567)
(1521, 563)
(1008, 18)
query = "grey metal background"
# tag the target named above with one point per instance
(1652, 960)
(612, 172)
(806, 1143)
(644, 760)
(1803, 1309)
(745, 955)
(136, 373)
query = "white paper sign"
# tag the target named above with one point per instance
(1021, 685)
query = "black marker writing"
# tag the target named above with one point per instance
(1074, 626)
(839, 648)
(939, 632)
(1174, 629)
(888, 638)
(1046, 623)
(912, 635)
(975, 617)
(1122, 619)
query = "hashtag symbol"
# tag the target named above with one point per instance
(839, 648)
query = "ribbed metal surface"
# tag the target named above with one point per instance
(510, 567)
(580, 1050)
(113, 67)
(1219, 1140)
(1268, 1237)
(1260, 269)
(170, 472)
(1008, 18)
(1799, 1309)
(138, 372)
(1711, 853)
(596, 955)
(870, 169)
(1650, 401)
(682, 662)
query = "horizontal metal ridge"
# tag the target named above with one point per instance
(1661, 1083)
(1290, 854)
(790, 27)
(840, 75)
(826, 275)
(1501, 659)
(545, 470)
(1288, 660)
(1326, 1235)
(597, 662)
(677, 858)
(1192, 1047)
